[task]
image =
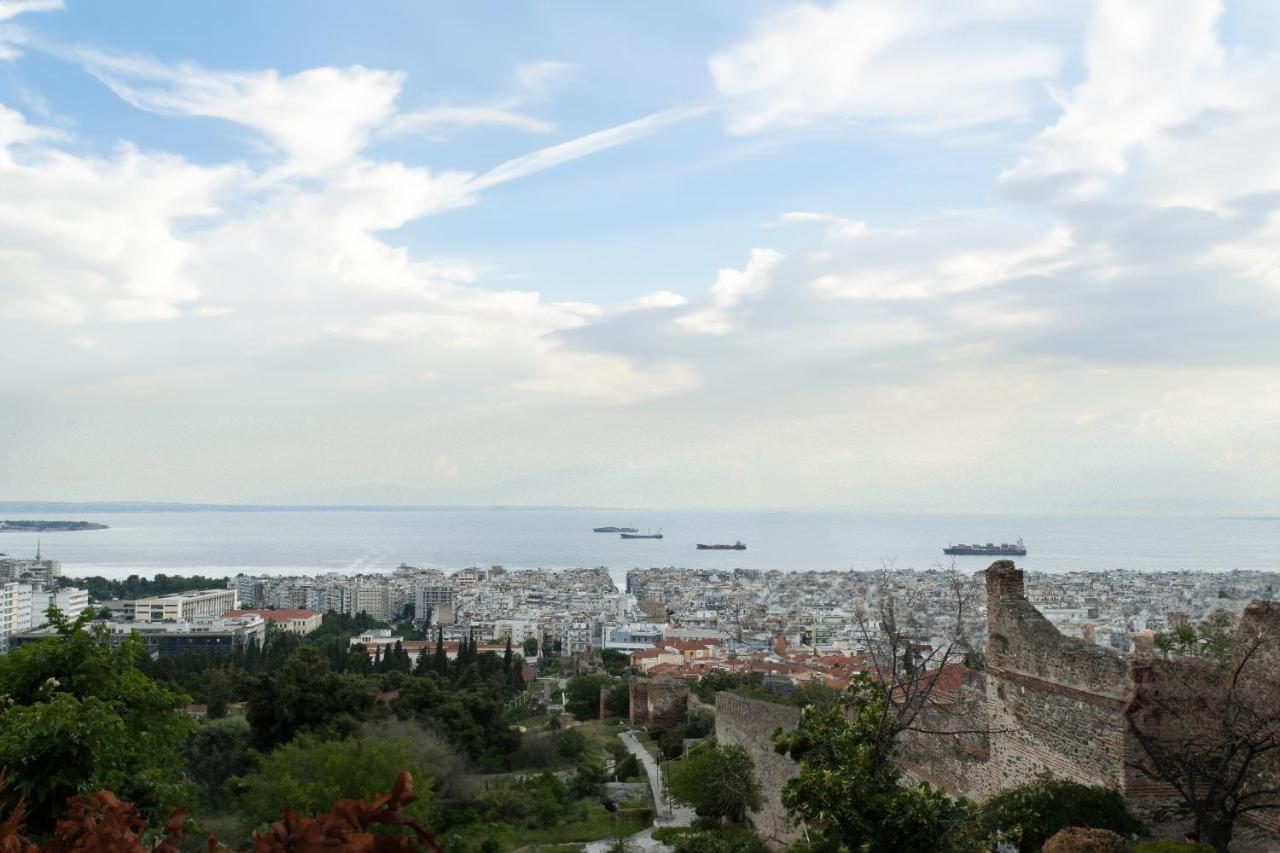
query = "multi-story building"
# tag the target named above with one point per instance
(180, 606)
(35, 571)
(250, 591)
(294, 621)
(217, 634)
(69, 600)
(428, 597)
(15, 611)
(371, 599)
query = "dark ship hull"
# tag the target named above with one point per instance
(1004, 549)
(737, 546)
(642, 536)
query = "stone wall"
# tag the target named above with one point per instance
(1055, 703)
(661, 702)
(750, 724)
(956, 760)
(1045, 704)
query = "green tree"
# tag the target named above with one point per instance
(582, 695)
(1028, 815)
(850, 792)
(80, 715)
(441, 656)
(718, 781)
(530, 648)
(306, 696)
(310, 775)
(218, 750)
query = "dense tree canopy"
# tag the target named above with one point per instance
(80, 715)
(306, 695)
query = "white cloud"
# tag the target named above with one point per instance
(608, 377)
(732, 287)
(441, 118)
(947, 255)
(927, 64)
(1149, 72)
(318, 118)
(657, 299)
(13, 8)
(88, 237)
(538, 79)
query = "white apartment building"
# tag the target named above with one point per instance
(70, 600)
(15, 611)
(182, 606)
(516, 630)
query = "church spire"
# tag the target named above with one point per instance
(37, 547)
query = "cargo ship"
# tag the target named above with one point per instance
(736, 546)
(991, 549)
(615, 530)
(657, 535)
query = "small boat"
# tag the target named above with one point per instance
(615, 530)
(991, 549)
(736, 546)
(657, 535)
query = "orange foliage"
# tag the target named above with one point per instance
(102, 823)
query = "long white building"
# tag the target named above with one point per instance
(15, 611)
(182, 606)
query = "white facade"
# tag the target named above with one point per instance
(182, 606)
(70, 600)
(15, 611)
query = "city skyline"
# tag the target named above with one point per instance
(1016, 257)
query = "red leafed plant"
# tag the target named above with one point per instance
(103, 823)
(346, 828)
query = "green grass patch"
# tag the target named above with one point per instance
(737, 838)
(595, 825)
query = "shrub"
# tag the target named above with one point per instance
(627, 768)
(1085, 839)
(1029, 814)
(1172, 847)
(536, 752)
(570, 744)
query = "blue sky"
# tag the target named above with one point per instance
(1006, 256)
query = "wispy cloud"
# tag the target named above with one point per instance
(13, 8)
(442, 118)
(584, 146)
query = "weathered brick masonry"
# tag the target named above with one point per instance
(1046, 703)
(660, 702)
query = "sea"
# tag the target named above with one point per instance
(224, 543)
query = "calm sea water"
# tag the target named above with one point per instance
(225, 543)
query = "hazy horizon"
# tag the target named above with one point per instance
(837, 256)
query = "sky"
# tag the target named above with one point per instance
(998, 256)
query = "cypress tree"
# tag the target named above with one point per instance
(442, 657)
(506, 657)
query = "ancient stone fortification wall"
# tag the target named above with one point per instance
(660, 702)
(1055, 703)
(956, 760)
(750, 724)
